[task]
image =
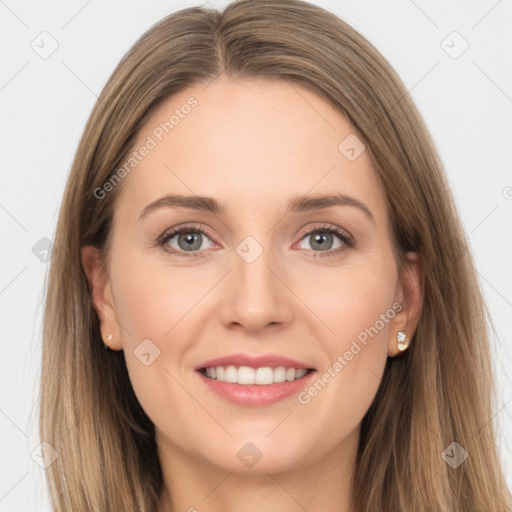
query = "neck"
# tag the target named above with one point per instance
(193, 485)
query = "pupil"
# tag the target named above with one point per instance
(189, 241)
(320, 240)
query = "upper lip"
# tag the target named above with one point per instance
(262, 361)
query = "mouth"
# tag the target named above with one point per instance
(254, 380)
(248, 376)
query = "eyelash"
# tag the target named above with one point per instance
(347, 240)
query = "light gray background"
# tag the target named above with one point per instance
(466, 102)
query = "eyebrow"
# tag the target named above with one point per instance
(296, 204)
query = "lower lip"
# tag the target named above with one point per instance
(256, 395)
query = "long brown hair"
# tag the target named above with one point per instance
(441, 391)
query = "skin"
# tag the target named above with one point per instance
(252, 145)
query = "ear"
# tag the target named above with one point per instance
(101, 294)
(409, 294)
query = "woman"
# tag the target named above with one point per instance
(258, 228)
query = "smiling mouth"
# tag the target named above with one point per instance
(247, 376)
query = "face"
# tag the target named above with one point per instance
(273, 279)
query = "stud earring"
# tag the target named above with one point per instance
(109, 337)
(402, 340)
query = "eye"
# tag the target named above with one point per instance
(322, 238)
(187, 241)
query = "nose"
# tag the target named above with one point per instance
(257, 296)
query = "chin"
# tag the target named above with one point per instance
(258, 454)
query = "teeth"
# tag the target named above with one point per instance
(231, 374)
(280, 374)
(263, 376)
(246, 375)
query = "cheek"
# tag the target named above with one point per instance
(350, 299)
(356, 305)
(363, 324)
(364, 302)
(150, 299)
(151, 306)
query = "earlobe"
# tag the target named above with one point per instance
(410, 296)
(101, 296)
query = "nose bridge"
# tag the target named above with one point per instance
(258, 297)
(253, 277)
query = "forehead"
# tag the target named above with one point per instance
(249, 142)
